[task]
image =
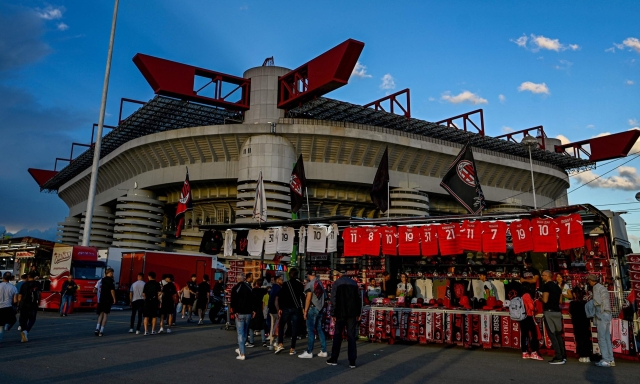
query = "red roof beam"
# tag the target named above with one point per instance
(466, 118)
(393, 100)
(41, 176)
(95, 125)
(539, 135)
(604, 147)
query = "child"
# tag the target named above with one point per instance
(528, 330)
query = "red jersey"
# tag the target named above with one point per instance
(471, 236)
(521, 236)
(370, 238)
(494, 236)
(389, 241)
(429, 246)
(409, 241)
(351, 239)
(570, 231)
(545, 237)
(448, 238)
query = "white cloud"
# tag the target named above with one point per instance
(464, 97)
(563, 139)
(520, 41)
(633, 122)
(533, 87)
(627, 179)
(244, 7)
(360, 71)
(633, 43)
(502, 98)
(629, 82)
(507, 130)
(612, 50)
(536, 43)
(50, 13)
(62, 27)
(574, 47)
(564, 64)
(432, 99)
(590, 126)
(388, 82)
(546, 43)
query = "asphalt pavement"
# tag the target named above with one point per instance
(65, 349)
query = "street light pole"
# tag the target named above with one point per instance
(531, 141)
(96, 150)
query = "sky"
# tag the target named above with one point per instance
(571, 66)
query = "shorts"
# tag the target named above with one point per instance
(168, 308)
(7, 316)
(187, 300)
(201, 303)
(150, 308)
(104, 307)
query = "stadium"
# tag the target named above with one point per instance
(261, 122)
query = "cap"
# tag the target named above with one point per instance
(464, 302)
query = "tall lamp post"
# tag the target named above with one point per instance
(96, 150)
(531, 142)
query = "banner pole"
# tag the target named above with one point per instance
(307, 194)
(388, 200)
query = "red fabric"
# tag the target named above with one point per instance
(528, 304)
(471, 236)
(389, 241)
(429, 244)
(521, 236)
(370, 237)
(409, 241)
(448, 235)
(544, 235)
(351, 239)
(494, 236)
(570, 235)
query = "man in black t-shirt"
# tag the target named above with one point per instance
(289, 303)
(530, 278)
(168, 304)
(29, 301)
(151, 293)
(551, 293)
(202, 299)
(107, 299)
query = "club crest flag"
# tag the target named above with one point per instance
(185, 203)
(297, 186)
(260, 203)
(461, 181)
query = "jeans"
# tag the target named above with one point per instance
(242, 327)
(352, 325)
(272, 329)
(529, 335)
(314, 323)
(27, 318)
(136, 309)
(553, 321)
(603, 324)
(252, 336)
(293, 315)
(68, 300)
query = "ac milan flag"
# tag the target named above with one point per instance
(184, 204)
(260, 203)
(297, 185)
(380, 187)
(461, 181)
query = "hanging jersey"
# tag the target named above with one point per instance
(408, 240)
(494, 236)
(570, 233)
(448, 239)
(285, 240)
(429, 245)
(389, 241)
(521, 236)
(256, 242)
(351, 239)
(271, 241)
(316, 238)
(332, 238)
(370, 237)
(242, 243)
(544, 235)
(303, 240)
(471, 236)
(228, 243)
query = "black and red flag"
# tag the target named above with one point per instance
(380, 187)
(297, 185)
(185, 203)
(461, 181)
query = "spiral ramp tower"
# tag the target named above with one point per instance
(138, 221)
(69, 231)
(405, 202)
(101, 227)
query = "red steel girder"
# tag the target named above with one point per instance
(393, 100)
(327, 72)
(465, 119)
(173, 79)
(41, 176)
(524, 132)
(604, 147)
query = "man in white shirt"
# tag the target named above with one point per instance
(136, 302)
(8, 297)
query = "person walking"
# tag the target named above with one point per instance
(188, 297)
(136, 301)
(67, 295)
(529, 330)
(8, 297)
(23, 279)
(242, 306)
(551, 294)
(107, 299)
(167, 303)
(202, 299)
(29, 298)
(257, 323)
(289, 306)
(581, 326)
(151, 293)
(313, 310)
(346, 308)
(273, 311)
(602, 304)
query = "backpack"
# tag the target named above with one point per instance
(33, 296)
(517, 311)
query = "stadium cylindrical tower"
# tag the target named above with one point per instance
(101, 227)
(69, 230)
(139, 217)
(408, 202)
(263, 98)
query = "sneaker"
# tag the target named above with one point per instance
(153, 332)
(612, 363)
(603, 363)
(525, 355)
(292, 352)
(239, 357)
(137, 332)
(238, 351)
(200, 322)
(161, 330)
(279, 348)
(24, 336)
(557, 361)
(19, 328)
(168, 330)
(146, 333)
(322, 354)
(97, 331)
(101, 334)
(183, 316)
(305, 355)
(352, 365)
(332, 362)
(130, 330)
(264, 345)
(535, 356)
(249, 345)
(64, 315)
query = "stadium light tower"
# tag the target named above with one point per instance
(96, 150)
(531, 142)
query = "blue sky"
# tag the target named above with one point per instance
(570, 66)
